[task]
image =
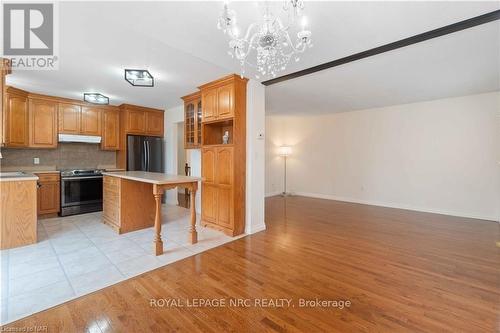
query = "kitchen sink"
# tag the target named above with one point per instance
(12, 174)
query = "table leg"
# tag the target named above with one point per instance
(193, 234)
(158, 242)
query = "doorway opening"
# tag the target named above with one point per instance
(183, 166)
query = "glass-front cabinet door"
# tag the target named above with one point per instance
(190, 137)
(198, 123)
(192, 120)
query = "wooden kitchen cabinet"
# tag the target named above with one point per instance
(42, 123)
(4, 71)
(209, 103)
(90, 123)
(217, 193)
(110, 129)
(154, 123)
(223, 166)
(69, 118)
(18, 223)
(16, 118)
(79, 120)
(48, 193)
(225, 101)
(217, 99)
(192, 121)
(209, 203)
(135, 122)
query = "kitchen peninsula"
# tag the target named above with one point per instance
(132, 201)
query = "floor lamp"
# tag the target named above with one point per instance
(285, 151)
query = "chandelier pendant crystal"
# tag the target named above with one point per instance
(269, 39)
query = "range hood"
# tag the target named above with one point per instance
(79, 138)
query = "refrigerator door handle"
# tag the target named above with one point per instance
(144, 157)
(149, 157)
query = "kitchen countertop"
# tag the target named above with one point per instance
(24, 177)
(152, 177)
(30, 169)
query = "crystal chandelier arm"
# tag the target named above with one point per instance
(249, 30)
(301, 49)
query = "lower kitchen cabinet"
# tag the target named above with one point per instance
(48, 194)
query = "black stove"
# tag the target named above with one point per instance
(81, 191)
(81, 172)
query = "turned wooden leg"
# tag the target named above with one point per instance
(193, 234)
(158, 242)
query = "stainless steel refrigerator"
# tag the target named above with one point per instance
(144, 153)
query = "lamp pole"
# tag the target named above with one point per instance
(284, 179)
(285, 151)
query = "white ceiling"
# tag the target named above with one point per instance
(180, 45)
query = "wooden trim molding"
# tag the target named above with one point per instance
(455, 27)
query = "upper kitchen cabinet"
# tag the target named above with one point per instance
(141, 120)
(225, 101)
(110, 129)
(16, 122)
(192, 120)
(77, 119)
(135, 121)
(4, 71)
(90, 123)
(69, 118)
(154, 123)
(42, 123)
(209, 104)
(218, 98)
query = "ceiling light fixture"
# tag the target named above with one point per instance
(139, 78)
(270, 38)
(96, 98)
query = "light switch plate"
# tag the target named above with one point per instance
(36, 160)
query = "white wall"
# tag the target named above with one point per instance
(255, 172)
(439, 156)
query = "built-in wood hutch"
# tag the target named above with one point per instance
(223, 165)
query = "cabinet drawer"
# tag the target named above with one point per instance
(48, 177)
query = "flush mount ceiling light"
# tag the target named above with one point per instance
(96, 98)
(139, 78)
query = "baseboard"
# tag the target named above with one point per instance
(398, 206)
(256, 229)
(272, 194)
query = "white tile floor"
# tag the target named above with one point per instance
(76, 255)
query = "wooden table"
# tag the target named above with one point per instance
(132, 201)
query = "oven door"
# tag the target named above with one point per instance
(76, 191)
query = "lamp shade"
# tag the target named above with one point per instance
(285, 150)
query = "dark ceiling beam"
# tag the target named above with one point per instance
(462, 25)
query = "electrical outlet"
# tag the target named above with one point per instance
(36, 160)
(260, 136)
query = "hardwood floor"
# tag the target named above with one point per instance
(402, 271)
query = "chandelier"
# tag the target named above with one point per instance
(268, 39)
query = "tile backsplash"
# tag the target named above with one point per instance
(66, 156)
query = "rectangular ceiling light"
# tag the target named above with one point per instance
(96, 98)
(139, 78)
